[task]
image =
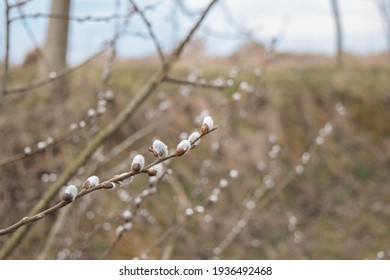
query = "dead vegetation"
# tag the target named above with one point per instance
(251, 192)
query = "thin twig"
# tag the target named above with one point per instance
(33, 40)
(230, 19)
(134, 212)
(158, 160)
(33, 151)
(150, 31)
(86, 18)
(73, 18)
(19, 3)
(27, 220)
(119, 149)
(176, 53)
(185, 10)
(48, 143)
(59, 74)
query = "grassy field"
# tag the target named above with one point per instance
(298, 168)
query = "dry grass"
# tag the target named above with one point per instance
(337, 209)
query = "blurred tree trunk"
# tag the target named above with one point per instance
(56, 44)
(5, 62)
(339, 32)
(384, 10)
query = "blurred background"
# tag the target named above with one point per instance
(297, 169)
(300, 25)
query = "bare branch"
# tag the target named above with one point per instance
(150, 31)
(185, 10)
(57, 75)
(88, 18)
(33, 151)
(176, 53)
(20, 3)
(27, 220)
(81, 19)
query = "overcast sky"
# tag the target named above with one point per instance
(304, 25)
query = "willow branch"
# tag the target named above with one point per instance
(132, 139)
(27, 220)
(108, 184)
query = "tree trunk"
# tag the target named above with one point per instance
(56, 44)
(384, 11)
(339, 33)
